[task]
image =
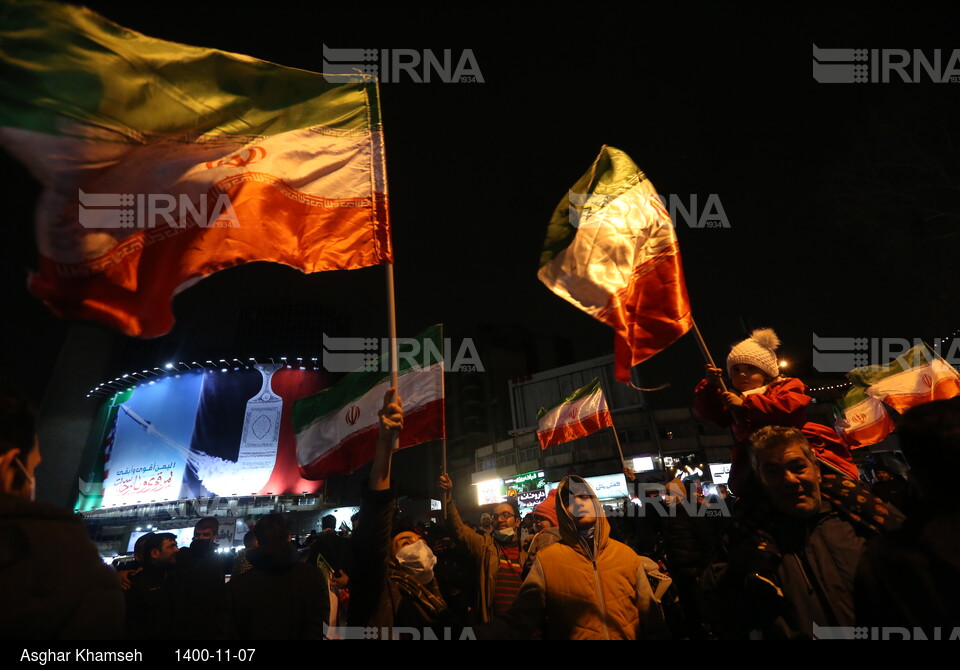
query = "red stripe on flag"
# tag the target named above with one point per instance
(421, 424)
(651, 312)
(572, 431)
(131, 286)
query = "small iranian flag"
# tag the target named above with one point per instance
(337, 428)
(582, 412)
(911, 379)
(862, 420)
(164, 163)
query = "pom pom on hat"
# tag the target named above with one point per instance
(758, 350)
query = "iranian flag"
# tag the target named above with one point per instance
(862, 420)
(611, 250)
(337, 429)
(164, 163)
(911, 379)
(582, 412)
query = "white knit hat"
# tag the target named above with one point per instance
(758, 350)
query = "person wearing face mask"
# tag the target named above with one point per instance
(54, 585)
(393, 581)
(586, 586)
(498, 556)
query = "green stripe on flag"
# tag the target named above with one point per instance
(587, 390)
(356, 384)
(66, 61)
(613, 173)
(869, 375)
(850, 399)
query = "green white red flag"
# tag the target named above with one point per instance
(611, 250)
(337, 428)
(862, 420)
(164, 163)
(582, 412)
(911, 379)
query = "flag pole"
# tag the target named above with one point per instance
(616, 439)
(392, 332)
(734, 411)
(443, 442)
(703, 350)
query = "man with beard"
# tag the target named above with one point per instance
(155, 597)
(499, 556)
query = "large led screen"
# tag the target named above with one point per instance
(205, 433)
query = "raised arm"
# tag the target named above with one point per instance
(391, 423)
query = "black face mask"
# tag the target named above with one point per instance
(202, 546)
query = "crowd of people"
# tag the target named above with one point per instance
(807, 549)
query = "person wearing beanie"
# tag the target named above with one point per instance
(762, 397)
(545, 514)
(545, 518)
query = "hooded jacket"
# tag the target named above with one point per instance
(584, 587)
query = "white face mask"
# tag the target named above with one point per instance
(419, 560)
(30, 480)
(505, 535)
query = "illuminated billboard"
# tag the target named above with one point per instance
(202, 433)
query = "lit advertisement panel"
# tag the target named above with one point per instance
(605, 486)
(151, 440)
(203, 434)
(720, 472)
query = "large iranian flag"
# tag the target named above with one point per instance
(611, 250)
(911, 379)
(163, 163)
(337, 429)
(862, 420)
(582, 412)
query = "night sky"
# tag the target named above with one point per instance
(841, 199)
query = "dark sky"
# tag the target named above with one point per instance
(841, 198)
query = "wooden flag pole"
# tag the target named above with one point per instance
(734, 411)
(616, 439)
(443, 442)
(394, 356)
(706, 352)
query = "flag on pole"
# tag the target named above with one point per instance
(582, 412)
(862, 420)
(911, 379)
(611, 250)
(164, 163)
(337, 428)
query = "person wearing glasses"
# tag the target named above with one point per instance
(498, 556)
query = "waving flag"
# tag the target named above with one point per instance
(913, 378)
(611, 250)
(582, 412)
(164, 163)
(862, 420)
(337, 429)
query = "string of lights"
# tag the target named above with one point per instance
(128, 380)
